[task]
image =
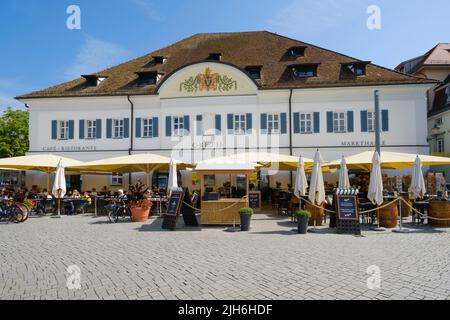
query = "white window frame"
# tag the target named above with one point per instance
(178, 126)
(117, 179)
(371, 121)
(240, 123)
(91, 129)
(118, 128)
(147, 127)
(273, 123)
(63, 130)
(306, 122)
(440, 147)
(340, 122)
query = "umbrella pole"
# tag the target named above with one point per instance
(59, 202)
(48, 181)
(400, 230)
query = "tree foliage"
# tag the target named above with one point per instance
(14, 131)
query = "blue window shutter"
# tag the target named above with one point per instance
(126, 128)
(350, 124)
(71, 129)
(263, 123)
(283, 123)
(81, 128)
(249, 120)
(296, 122)
(218, 124)
(385, 120)
(109, 128)
(98, 128)
(330, 122)
(138, 127)
(168, 126)
(187, 127)
(54, 130)
(155, 128)
(364, 121)
(199, 124)
(230, 125)
(316, 116)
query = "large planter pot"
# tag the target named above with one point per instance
(302, 225)
(140, 214)
(245, 222)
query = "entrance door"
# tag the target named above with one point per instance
(74, 182)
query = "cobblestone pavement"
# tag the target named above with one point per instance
(140, 261)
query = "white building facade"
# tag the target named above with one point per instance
(212, 108)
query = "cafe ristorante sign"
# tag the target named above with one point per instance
(208, 81)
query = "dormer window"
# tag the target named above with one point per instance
(159, 59)
(215, 56)
(447, 93)
(305, 70)
(148, 78)
(254, 72)
(297, 51)
(93, 80)
(357, 69)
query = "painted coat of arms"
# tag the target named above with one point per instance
(208, 81)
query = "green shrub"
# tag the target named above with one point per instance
(302, 214)
(246, 211)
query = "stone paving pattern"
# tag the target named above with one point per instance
(140, 261)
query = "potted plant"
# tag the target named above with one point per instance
(246, 216)
(140, 203)
(302, 220)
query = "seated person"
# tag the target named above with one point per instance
(76, 194)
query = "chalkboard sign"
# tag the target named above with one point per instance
(254, 199)
(347, 207)
(173, 210)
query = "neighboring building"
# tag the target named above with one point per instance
(435, 64)
(199, 97)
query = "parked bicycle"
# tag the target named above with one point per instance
(12, 212)
(118, 211)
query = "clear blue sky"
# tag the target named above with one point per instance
(37, 50)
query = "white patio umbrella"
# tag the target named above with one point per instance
(317, 187)
(173, 178)
(375, 193)
(417, 187)
(344, 181)
(301, 184)
(59, 186)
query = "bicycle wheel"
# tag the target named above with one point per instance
(112, 215)
(16, 214)
(26, 211)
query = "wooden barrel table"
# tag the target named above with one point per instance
(316, 214)
(441, 210)
(388, 216)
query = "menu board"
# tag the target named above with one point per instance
(347, 207)
(173, 210)
(254, 199)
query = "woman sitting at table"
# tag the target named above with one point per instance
(76, 194)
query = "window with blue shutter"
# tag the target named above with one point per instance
(263, 123)
(81, 129)
(71, 129)
(283, 123)
(126, 128)
(218, 123)
(350, 122)
(199, 124)
(54, 130)
(296, 122)
(187, 128)
(316, 120)
(230, 123)
(364, 121)
(249, 122)
(330, 128)
(155, 127)
(168, 126)
(109, 128)
(98, 128)
(385, 120)
(138, 127)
